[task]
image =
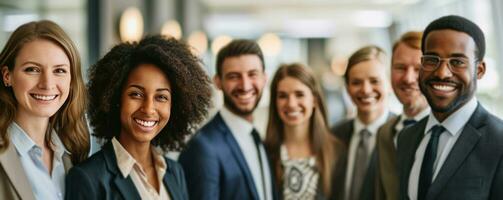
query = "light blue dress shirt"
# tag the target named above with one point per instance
(44, 185)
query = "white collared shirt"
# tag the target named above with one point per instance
(128, 166)
(43, 184)
(453, 125)
(399, 125)
(353, 144)
(241, 130)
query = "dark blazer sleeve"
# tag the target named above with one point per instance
(497, 191)
(78, 185)
(201, 169)
(179, 178)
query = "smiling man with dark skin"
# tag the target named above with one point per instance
(456, 152)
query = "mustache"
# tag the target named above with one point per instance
(438, 80)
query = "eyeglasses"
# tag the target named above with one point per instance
(455, 64)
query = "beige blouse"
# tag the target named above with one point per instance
(129, 167)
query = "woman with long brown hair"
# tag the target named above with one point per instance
(43, 129)
(303, 152)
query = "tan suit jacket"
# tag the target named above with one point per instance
(387, 182)
(14, 184)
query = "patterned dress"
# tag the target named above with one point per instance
(300, 178)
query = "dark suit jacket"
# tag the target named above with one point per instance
(386, 184)
(474, 167)
(99, 177)
(344, 131)
(214, 165)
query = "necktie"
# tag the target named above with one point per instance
(258, 142)
(361, 165)
(408, 122)
(426, 174)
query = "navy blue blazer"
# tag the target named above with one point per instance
(474, 167)
(214, 165)
(99, 178)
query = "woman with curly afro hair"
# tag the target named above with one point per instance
(144, 99)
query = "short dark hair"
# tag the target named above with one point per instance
(238, 48)
(460, 24)
(363, 54)
(191, 92)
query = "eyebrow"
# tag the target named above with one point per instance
(451, 55)
(38, 64)
(158, 90)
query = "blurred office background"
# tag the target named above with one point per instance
(320, 33)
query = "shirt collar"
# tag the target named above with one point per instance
(24, 143)
(237, 124)
(373, 126)
(417, 118)
(456, 121)
(20, 139)
(125, 161)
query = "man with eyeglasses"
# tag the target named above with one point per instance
(457, 151)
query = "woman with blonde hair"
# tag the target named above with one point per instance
(303, 152)
(43, 130)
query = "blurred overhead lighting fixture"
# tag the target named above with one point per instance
(131, 25)
(172, 28)
(373, 19)
(271, 44)
(220, 42)
(199, 41)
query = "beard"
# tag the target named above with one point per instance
(236, 109)
(464, 95)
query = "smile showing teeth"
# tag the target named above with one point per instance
(44, 97)
(368, 99)
(244, 96)
(445, 88)
(145, 123)
(293, 114)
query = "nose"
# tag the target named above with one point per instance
(148, 106)
(246, 83)
(443, 71)
(291, 101)
(366, 87)
(46, 81)
(410, 75)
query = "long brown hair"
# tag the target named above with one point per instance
(69, 121)
(323, 144)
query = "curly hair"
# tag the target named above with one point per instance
(191, 92)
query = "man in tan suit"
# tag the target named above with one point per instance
(405, 65)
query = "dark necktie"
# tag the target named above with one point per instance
(426, 174)
(258, 142)
(408, 122)
(361, 165)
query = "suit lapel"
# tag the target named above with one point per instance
(237, 154)
(67, 162)
(171, 185)
(124, 185)
(387, 158)
(409, 141)
(464, 145)
(14, 169)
